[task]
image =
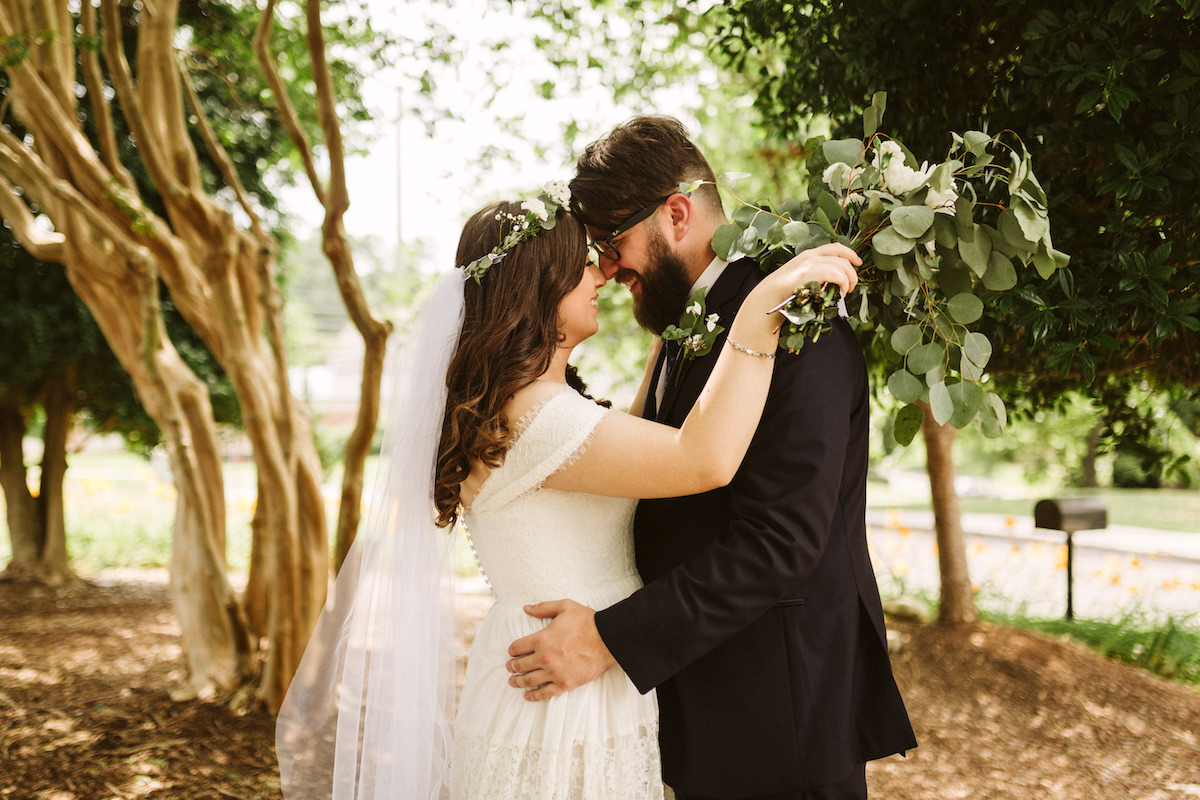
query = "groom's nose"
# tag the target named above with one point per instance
(609, 268)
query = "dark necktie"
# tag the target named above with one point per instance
(673, 350)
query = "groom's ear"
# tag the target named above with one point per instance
(680, 212)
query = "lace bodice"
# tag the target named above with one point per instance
(536, 543)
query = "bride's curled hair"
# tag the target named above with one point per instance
(510, 333)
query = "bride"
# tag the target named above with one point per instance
(491, 426)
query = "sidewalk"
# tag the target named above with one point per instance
(1117, 538)
(1018, 568)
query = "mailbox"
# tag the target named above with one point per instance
(1070, 514)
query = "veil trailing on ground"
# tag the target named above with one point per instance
(369, 712)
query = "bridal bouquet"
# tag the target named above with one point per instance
(936, 240)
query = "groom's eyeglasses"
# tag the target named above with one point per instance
(607, 248)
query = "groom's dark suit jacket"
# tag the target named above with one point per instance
(760, 623)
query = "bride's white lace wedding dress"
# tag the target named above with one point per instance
(596, 742)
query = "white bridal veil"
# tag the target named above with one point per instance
(369, 712)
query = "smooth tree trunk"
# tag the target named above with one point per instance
(37, 523)
(218, 265)
(1087, 467)
(957, 594)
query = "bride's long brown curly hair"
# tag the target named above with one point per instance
(510, 333)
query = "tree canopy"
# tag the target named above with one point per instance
(1105, 98)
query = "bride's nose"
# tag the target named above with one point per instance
(597, 275)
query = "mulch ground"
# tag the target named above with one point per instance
(86, 712)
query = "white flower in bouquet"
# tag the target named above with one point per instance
(559, 192)
(535, 207)
(942, 202)
(839, 176)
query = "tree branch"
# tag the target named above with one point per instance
(159, 92)
(222, 159)
(94, 80)
(41, 244)
(287, 112)
(149, 147)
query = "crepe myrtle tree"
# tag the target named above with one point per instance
(201, 235)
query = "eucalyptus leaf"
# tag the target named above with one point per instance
(912, 221)
(1044, 262)
(935, 375)
(872, 214)
(908, 422)
(976, 250)
(925, 357)
(1011, 230)
(725, 240)
(967, 398)
(905, 338)
(999, 243)
(847, 151)
(965, 308)
(977, 142)
(793, 233)
(1034, 223)
(825, 223)
(992, 416)
(904, 386)
(774, 234)
(886, 263)
(970, 371)
(947, 236)
(891, 242)
(830, 205)
(871, 119)
(745, 214)
(964, 218)
(1001, 275)
(954, 279)
(924, 265)
(940, 403)
(978, 348)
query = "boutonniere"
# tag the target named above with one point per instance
(696, 331)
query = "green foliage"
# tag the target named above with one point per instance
(1171, 649)
(1107, 93)
(939, 243)
(697, 330)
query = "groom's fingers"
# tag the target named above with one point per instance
(544, 692)
(546, 610)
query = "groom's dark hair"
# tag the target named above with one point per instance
(635, 164)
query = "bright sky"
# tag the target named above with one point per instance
(438, 183)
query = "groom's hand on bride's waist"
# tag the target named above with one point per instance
(567, 653)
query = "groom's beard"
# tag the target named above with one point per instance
(665, 288)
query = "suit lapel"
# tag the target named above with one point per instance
(724, 297)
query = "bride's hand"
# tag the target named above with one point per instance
(830, 263)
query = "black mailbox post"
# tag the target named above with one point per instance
(1070, 514)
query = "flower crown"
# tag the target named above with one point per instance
(539, 216)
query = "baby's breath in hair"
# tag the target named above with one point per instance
(539, 216)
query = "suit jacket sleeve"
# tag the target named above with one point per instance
(782, 504)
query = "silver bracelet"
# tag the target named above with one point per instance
(748, 351)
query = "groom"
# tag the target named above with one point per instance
(760, 622)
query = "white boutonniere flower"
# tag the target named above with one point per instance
(696, 331)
